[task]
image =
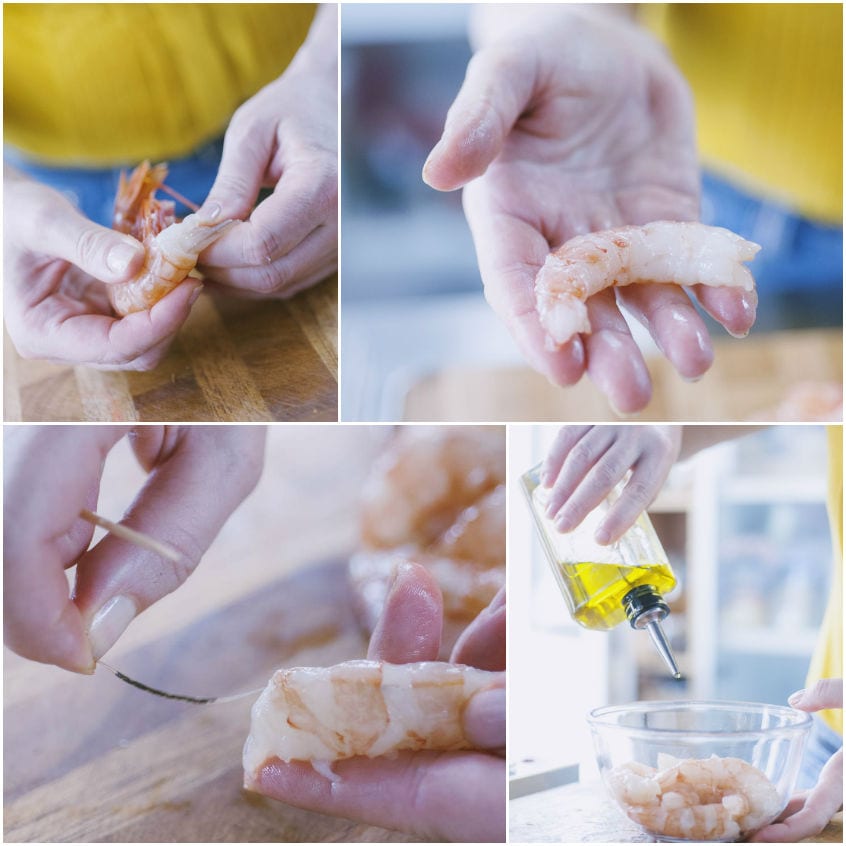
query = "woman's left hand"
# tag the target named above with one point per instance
(457, 796)
(808, 813)
(284, 138)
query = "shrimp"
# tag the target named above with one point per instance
(716, 798)
(368, 708)
(663, 251)
(426, 479)
(436, 497)
(172, 249)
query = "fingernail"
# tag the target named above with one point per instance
(195, 295)
(211, 211)
(795, 698)
(110, 623)
(484, 718)
(120, 256)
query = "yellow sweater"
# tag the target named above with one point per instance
(101, 84)
(767, 79)
(827, 662)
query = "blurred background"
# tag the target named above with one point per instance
(746, 530)
(420, 343)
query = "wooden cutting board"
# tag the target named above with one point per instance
(91, 759)
(748, 381)
(233, 360)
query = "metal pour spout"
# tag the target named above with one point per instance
(646, 608)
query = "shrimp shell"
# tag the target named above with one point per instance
(368, 708)
(170, 257)
(715, 799)
(684, 253)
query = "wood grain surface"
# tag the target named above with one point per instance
(233, 360)
(583, 813)
(89, 758)
(748, 381)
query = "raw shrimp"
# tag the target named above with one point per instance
(435, 497)
(663, 251)
(172, 249)
(369, 708)
(712, 799)
(425, 479)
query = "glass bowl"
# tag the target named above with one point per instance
(661, 762)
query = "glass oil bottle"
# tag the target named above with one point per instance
(604, 585)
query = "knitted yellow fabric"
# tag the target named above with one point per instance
(768, 83)
(106, 83)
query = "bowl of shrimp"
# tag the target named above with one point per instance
(699, 771)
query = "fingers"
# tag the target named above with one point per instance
(587, 462)
(496, 89)
(820, 805)
(452, 796)
(482, 643)
(826, 693)
(137, 341)
(409, 628)
(674, 323)
(247, 147)
(484, 719)
(614, 362)
(188, 496)
(310, 261)
(510, 251)
(734, 308)
(50, 474)
(50, 225)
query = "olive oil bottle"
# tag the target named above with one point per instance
(604, 585)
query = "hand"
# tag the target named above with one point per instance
(456, 796)
(285, 138)
(198, 476)
(56, 262)
(808, 813)
(571, 121)
(586, 462)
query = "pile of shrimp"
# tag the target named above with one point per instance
(713, 799)
(370, 708)
(172, 248)
(437, 497)
(663, 251)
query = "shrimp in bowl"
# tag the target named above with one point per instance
(171, 249)
(684, 253)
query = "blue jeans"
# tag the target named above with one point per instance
(822, 744)
(799, 271)
(92, 190)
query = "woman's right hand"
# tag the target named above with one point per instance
(586, 462)
(56, 265)
(198, 475)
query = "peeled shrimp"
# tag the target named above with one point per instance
(426, 478)
(172, 248)
(663, 251)
(368, 708)
(719, 799)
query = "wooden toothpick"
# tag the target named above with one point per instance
(138, 538)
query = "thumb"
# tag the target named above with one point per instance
(495, 92)
(826, 693)
(103, 253)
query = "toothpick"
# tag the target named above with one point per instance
(130, 535)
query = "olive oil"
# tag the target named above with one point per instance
(604, 585)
